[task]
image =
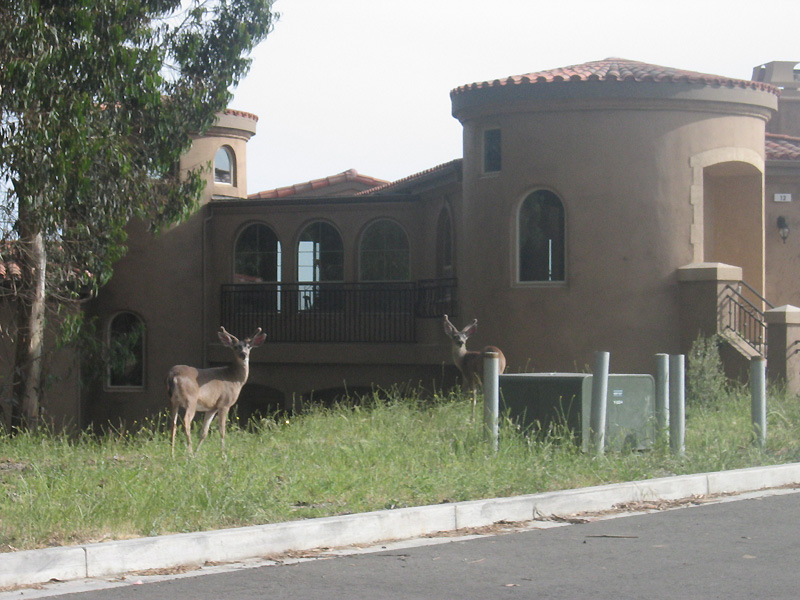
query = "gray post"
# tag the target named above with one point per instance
(662, 396)
(677, 405)
(597, 419)
(491, 397)
(758, 403)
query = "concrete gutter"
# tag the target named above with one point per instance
(232, 545)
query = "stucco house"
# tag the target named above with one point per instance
(613, 205)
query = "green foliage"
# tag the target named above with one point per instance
(98, 101)
(706, 383)
(388, 451)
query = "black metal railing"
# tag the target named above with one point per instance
(743, 317)
(335, 312)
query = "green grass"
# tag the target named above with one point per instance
(387, 453)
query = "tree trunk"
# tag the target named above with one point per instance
(30, 337)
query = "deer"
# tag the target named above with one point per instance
(470, 362)
(212, 391)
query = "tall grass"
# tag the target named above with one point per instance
(383, 453)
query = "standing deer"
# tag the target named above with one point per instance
(210, 391)
(470, 363)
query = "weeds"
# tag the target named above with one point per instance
(387, 451)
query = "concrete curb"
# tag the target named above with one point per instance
(231, 545)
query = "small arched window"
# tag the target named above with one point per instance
(541, 242)
(384, 254)
(224, 166)
(257, 255)
(126, 345)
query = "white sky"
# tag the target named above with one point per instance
(365, 84)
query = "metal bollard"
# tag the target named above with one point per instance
(597, 419)
(662, 397)
(677, 405)
(491, 398)
(758, 402)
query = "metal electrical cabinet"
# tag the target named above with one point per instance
(541, 399)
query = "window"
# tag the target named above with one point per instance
(320, 255)
(320, 258)
(257, 256)
(384, 254)
(541, 238)
(126, 343)
(224, 166)
(492, 152)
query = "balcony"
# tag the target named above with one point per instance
(333, 312)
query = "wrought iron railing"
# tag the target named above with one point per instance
(335, 312)
(743, 317)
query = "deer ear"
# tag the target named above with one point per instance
(471, 328)
(226, 338)
(449, 329)
(258, 340)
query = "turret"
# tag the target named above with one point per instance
(224, 148)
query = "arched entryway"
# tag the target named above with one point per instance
(728, 196)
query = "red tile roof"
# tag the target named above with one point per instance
(10, 276)
(616, 69)
(416, 177)
(240, 113)
(299, 189)
(10, 270)
(782, 147)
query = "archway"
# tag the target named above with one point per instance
(733, 219)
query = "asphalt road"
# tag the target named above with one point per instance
(747, 548)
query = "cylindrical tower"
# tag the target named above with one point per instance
(585, 188)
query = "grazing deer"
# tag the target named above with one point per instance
(470, 363)
(210, 391)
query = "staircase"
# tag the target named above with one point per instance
(741, 319)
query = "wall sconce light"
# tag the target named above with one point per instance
(783, 228)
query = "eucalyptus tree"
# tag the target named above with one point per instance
(98, 100)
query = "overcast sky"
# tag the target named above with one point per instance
(365, 84)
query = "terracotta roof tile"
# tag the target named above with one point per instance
(10, 274)
(616, 69)
(240, 113)
(782, 147)
(392, 186)
(299, 189)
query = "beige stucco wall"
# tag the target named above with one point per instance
(624, 173)
(783, 279)
(232, 129)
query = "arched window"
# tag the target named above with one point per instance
(384, 255)
(224, 166)
(320, 258)
(320, 254)
(257, 255)
(126, 344)
(444, 245)
(541, 238)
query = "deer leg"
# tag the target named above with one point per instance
(223, 422)
(474, 402)
(174, 418)
(187, 426)
(206, 424)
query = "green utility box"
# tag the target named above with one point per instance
(538, 400)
